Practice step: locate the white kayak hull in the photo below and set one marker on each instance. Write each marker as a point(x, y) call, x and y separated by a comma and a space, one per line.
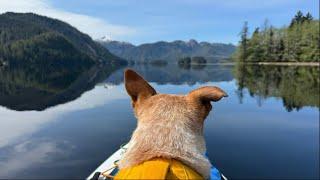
point(107, 165)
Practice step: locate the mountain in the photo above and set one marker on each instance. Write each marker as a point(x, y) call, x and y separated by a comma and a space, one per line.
point(169, 51)
point(31, 38)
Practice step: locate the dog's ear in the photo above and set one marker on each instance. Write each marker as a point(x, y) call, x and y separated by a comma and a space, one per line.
point(207, 94)
point(136, 86)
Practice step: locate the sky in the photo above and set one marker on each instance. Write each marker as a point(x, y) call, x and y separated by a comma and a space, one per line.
point(146, 21)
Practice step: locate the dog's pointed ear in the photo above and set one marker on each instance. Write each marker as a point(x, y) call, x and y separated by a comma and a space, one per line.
point(136, 86)
point(207, 94)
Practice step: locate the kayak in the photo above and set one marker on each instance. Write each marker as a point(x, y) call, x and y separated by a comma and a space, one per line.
point(109, 168)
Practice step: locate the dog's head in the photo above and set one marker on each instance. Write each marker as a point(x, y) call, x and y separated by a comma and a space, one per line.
point(169, 126)
point(149, 106)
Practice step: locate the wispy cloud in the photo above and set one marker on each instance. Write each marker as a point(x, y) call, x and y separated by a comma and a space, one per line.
point(33, 152)
point(93, 26)
point(243, 4)
point(14, 127)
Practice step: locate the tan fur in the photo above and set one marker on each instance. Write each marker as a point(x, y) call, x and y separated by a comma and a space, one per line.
point(169, 126)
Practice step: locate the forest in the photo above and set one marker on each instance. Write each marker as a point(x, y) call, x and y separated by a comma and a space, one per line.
point(27, 38)
point(298, 42)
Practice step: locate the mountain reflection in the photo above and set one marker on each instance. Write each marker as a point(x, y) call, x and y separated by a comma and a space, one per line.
point(297, 86)
point(177, 75)
point(37, 88)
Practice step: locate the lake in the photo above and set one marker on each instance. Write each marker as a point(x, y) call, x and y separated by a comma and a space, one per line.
point(63, 125)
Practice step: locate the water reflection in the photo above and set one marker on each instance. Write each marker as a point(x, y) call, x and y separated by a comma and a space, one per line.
point(35, 151)
point(33, 88)
point(81, 123)
point(174, 74)
point(66, 138)
point(297, 86)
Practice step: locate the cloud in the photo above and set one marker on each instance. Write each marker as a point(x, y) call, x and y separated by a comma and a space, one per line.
point(18, 126)
point(249, 4)
point(93, 26)
point(34, 152)
point(246, 4)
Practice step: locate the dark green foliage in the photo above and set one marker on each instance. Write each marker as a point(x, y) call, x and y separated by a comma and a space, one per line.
point(193, 60)
point(300, 18)
point(30, 38)
point(37, 87)
point(49, 49)
point(159, 62)
point(291, 84)
point(255, 50)
point(300, 42)
point(185, 63)
point(198, 60)
point(244, 42)
point(185, 60)
point(45, 62)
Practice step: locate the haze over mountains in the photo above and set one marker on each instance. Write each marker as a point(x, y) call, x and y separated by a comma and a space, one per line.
point(169, 51)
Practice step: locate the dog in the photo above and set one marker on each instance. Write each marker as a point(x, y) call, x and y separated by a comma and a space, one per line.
point(168, 126)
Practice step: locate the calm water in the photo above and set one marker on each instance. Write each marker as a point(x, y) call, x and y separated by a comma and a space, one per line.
point(63, 125)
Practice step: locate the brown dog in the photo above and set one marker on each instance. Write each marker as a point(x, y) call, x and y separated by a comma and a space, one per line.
point(169, 126)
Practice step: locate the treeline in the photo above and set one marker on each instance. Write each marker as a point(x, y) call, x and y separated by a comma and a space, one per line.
point(193, 60)
point(49, 48)
point(29, 38)
point(299, 42)
point(196, 62)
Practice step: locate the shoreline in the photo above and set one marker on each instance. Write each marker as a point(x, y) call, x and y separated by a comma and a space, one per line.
point(283, 63)
point(263, 63)
point(255, 63)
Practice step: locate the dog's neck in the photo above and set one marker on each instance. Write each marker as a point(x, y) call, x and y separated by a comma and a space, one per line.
point(168, 139)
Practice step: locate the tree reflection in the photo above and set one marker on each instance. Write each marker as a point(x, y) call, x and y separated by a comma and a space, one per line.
point(37, 88)
point(297, 86)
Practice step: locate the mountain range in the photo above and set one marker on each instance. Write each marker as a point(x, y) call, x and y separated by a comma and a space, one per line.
point(27, 38)
point(169, 51)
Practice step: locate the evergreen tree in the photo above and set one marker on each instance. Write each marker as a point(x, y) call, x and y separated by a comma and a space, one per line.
point(298, 18)
point(270, 45)
point(244, 42)
point(255, 49)
point(280, 50)
point(308, 17)
point(300, 42)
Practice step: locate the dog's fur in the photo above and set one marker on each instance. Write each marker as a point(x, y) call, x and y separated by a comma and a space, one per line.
point(169, 126)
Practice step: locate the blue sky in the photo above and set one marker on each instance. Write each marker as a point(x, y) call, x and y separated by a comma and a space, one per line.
point(143, 21)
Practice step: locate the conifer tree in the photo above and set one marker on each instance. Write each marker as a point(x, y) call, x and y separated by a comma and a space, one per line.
point(244, 42)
